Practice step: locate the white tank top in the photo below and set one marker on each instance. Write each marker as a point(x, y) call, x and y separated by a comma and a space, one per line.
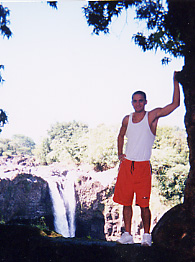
point(140, 140)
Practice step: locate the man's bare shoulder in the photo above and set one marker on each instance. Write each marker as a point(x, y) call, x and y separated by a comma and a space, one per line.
point(125, 120)
point(153, 114)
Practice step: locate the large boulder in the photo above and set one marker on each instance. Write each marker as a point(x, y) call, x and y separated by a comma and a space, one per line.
point(175, 231)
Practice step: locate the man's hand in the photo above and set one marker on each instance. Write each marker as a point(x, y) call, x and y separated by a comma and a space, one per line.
point(121, 157)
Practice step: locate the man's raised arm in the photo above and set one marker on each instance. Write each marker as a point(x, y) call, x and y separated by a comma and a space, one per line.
point(164, 111)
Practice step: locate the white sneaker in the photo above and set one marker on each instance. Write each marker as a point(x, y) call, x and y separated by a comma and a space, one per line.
point(126, 238)
point(146, 240)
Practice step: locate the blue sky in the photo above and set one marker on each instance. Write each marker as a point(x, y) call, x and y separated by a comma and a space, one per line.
point(56, 70)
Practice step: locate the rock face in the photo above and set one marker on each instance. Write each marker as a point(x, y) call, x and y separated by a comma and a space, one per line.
point(25, 196)
point(96, 214)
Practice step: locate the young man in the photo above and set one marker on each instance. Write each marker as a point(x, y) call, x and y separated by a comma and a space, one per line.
point(135, 172)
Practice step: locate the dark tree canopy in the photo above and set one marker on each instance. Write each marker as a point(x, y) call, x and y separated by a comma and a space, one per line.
point(4, 22)
point(52, 4)
point(4, 29)
point(166, 30)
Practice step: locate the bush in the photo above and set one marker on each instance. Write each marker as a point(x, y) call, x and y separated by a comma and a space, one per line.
point(170, 163)
point(19, 144)
point(103, 147)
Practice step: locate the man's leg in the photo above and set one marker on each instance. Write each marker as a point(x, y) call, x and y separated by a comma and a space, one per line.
point(127, 216)
point(126, 237)
point(146, 218)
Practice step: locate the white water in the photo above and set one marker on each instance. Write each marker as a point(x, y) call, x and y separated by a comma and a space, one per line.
point(63, 197)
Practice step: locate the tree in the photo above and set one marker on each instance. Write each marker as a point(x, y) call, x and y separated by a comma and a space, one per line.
point(23, 144)
point(171, 29)
point(18, 145)
point(102, 148)
point(170, 164)
point(5, 31)
point(65, 142)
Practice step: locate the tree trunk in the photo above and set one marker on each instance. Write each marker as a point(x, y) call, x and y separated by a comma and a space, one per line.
point(176, 229)
point(187, 79)
point(188, 82)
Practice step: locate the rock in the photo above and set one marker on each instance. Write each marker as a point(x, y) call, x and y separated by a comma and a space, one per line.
point(24, 243)
point(175, 231)
point(26, 197)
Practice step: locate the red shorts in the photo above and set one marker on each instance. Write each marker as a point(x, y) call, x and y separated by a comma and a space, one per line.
point(133, 177)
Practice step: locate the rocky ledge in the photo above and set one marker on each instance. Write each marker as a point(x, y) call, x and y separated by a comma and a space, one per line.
point(25, 243)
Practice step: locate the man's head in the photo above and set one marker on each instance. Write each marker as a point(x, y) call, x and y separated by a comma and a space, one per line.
point(139, 93)
point(139, 101)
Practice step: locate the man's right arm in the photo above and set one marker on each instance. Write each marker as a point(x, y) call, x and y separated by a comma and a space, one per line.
point(121, 135)
point(156, 113)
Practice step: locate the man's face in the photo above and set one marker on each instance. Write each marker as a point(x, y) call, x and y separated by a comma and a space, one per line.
point(139, 103)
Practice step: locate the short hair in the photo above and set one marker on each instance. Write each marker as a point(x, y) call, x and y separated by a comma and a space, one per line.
point(139, 93)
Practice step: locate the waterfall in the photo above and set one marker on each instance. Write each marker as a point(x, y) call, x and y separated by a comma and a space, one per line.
point(63, 197)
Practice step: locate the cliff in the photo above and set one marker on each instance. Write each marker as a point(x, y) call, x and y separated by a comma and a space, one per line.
point(25, 198)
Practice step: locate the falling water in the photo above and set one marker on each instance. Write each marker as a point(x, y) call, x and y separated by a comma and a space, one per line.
point(63, 197)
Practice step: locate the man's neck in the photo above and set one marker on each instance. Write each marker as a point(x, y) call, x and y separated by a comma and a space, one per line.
point(141, 113)
point(138, 116)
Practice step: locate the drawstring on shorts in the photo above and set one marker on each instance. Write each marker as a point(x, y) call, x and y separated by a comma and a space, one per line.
point(132, 166)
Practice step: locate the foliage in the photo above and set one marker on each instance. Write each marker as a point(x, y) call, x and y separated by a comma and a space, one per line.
point(99, 14)
point(44, 229)
point(3, 118)
point(19, 144)
point(102, 147)
point(1, 78)
point(52, 4)
point(42, 150)
point(65, 142)
point(74, 142)
point(162, 31)
point(42, 224)
point(170, 163)
point(4, 29)
point(4, 22)
point(171, 183)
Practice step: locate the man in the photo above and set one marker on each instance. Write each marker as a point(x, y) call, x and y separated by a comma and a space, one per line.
point(135, 172)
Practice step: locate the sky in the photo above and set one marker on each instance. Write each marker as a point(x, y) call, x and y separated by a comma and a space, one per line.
point(56, 70)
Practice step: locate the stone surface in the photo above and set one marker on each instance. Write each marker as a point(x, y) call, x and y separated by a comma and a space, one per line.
point(22, 243)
